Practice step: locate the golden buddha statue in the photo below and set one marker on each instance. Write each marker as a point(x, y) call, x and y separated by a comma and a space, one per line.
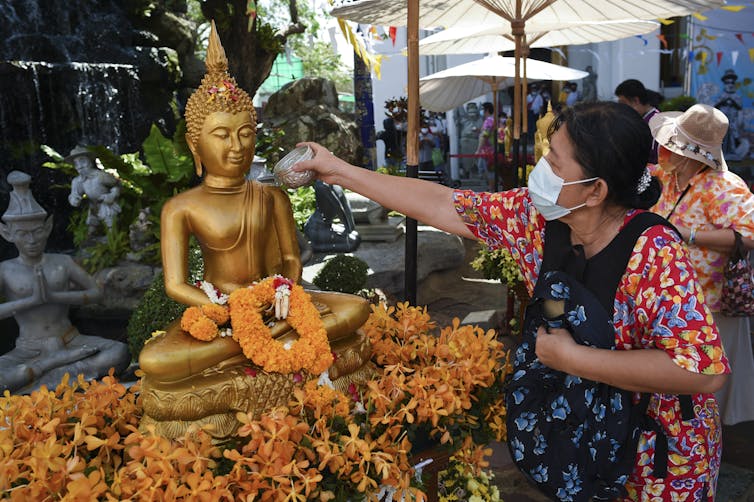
point(541, 142)
point(246, 232)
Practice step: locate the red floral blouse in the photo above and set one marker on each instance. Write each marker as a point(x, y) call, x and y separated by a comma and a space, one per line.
point(659, 304)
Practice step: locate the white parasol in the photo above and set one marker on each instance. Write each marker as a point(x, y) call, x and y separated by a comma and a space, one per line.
point(497, 37)
point(450, 88)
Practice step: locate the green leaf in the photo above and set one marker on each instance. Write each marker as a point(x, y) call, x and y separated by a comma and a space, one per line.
point(169, 157)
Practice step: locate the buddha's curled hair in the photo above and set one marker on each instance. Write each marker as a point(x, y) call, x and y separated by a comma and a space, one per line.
point(218, 91)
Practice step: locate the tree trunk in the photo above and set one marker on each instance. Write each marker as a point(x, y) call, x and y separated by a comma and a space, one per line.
point(251, 53)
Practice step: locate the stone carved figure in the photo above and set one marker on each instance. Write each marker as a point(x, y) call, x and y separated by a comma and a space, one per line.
point(321, 227)
point(730, 103)
point(589, 86)
point(246, 232)
point(95, 187)
point(37, 291)
point(469, 122)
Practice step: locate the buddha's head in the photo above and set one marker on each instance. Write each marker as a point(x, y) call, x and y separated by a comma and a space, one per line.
point(25, 222)
point(220, 118)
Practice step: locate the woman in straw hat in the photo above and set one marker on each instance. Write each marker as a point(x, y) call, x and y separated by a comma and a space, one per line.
point(706, 202)
point(594, 181)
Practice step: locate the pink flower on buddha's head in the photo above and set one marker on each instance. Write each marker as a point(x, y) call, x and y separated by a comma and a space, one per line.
point(297, 377)
point(250, 371)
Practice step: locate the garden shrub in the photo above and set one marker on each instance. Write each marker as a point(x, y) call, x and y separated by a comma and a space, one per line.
point(343, 273)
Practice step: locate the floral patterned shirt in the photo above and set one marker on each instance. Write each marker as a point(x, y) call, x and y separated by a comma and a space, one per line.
point(658, 304)
point(715, 199)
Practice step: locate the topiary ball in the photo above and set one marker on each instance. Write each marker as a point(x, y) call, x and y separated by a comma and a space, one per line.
point(342, 273)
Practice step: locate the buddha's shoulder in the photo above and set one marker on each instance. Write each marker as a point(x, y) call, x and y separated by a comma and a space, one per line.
point(271, 191)
point(187, 198)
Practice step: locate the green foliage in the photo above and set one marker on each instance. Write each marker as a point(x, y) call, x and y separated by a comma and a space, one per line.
point(320, 60)
point(106, 252)
point(169, 169)
point(270, 143)
point(156, 309)
point(342, 273)
point(677, 104)
point(304, 203)
point(497, 264)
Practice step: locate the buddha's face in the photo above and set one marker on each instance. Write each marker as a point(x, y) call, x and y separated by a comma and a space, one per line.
point(226, 143)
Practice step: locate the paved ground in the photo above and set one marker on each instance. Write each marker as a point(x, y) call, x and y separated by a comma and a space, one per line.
point(456, 293)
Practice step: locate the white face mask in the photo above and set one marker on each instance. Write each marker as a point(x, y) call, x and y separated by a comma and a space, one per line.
point(544, 190)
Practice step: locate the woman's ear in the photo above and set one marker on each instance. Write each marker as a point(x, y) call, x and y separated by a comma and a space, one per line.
point(597, 193)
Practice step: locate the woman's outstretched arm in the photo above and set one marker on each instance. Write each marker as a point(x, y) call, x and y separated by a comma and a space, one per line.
point(425, 201)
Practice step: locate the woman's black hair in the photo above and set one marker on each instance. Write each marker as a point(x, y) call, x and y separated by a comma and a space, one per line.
point(611, 141)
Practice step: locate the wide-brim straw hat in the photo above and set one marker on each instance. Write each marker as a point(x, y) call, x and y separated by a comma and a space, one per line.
point(696, 133)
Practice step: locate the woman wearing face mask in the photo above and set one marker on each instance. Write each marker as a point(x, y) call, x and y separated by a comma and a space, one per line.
point(594, 180)
point(706, 202)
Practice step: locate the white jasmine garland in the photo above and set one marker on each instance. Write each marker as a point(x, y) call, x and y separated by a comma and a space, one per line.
point(214, 295)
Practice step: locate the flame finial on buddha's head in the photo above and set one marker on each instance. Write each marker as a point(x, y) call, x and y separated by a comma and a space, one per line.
point(218, 91)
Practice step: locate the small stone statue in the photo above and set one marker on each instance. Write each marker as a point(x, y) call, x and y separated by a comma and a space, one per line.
point(140, 234)
point(37, 290)
point(589, 86)
point(99, 188)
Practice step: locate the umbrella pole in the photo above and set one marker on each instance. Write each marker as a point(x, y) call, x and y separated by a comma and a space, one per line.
point(519, 101)
point(412, 146)
point(494, 132)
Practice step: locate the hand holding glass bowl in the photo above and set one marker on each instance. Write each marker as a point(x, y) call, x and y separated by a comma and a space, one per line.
point(283, 173)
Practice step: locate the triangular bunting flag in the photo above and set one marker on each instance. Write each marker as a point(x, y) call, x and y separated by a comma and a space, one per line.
point(699, 16)
point(393, 34)
point(719, 56)
point(733, 8)
point(734, 57)
point(751, 55)
point(740, 37)
point(666, 22)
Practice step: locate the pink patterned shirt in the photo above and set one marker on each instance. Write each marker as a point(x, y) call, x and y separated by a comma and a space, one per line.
point(715, 199)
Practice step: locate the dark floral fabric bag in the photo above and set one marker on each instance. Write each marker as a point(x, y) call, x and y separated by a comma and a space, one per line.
point(737, 298)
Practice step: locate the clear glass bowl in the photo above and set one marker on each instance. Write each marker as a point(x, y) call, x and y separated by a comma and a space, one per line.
point(292, 179)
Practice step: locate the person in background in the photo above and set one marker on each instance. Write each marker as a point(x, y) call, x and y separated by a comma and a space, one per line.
point(535, 105)
point(426, 145)
point(390, 136)
point(633, 93)
point(573, 96)
point(594, 180)
point(706, 202)
point(485, 148)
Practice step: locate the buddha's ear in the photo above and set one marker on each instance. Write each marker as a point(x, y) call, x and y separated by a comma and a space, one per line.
point(197, 159)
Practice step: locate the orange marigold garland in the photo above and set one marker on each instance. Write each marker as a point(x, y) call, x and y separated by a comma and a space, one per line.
point(202, 322)
point(311, 352)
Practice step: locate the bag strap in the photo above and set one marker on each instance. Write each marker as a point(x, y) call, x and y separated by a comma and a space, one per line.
point(739, 250)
